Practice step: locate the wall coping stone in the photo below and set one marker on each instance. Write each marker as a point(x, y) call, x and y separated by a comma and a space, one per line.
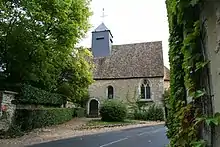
point(9, 92)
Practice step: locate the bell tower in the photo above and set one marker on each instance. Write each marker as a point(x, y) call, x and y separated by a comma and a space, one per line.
point(101, 40)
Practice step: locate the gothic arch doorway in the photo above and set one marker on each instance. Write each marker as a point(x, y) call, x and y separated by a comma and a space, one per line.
point(93, 108)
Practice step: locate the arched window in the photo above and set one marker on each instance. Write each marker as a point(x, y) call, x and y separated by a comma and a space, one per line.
point(110, 92)
point(142, 91)
point(145, 90)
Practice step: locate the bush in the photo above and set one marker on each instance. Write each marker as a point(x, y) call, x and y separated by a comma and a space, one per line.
point(141, 115)
point(29, 119)
point(32, 95)
point(79, 112)
point(113, 110)
point(153, 113)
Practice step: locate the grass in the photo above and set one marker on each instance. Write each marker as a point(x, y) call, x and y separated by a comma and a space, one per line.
point(98, 124)
point(103, 123)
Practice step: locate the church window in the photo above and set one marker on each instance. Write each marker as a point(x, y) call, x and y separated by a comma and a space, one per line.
point(142, 91)
point(110, 92)
point(145, 90)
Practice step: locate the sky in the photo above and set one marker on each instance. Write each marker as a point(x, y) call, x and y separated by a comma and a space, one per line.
point(131, 21)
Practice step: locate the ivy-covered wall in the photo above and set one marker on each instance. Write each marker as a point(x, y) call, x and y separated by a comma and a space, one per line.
point(188, 113)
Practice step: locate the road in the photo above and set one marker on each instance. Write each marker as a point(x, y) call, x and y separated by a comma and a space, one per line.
point(152, 136)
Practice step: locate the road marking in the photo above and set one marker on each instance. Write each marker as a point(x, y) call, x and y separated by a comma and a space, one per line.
point(143, 133)
point(113, 142)
point(155, 131)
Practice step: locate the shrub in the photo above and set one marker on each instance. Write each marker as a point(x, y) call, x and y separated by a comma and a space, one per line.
point(113, 110)
point(29, 119)
point(153, 113)
point(79, 112)
point(32, 95)
point(141, 115)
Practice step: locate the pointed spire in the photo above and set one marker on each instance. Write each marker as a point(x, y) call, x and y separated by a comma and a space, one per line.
point(101, 27)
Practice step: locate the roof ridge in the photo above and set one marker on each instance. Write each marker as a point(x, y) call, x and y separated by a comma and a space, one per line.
point(138, 43)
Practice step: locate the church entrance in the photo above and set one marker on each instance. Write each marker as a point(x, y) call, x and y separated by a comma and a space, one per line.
point(93, 108)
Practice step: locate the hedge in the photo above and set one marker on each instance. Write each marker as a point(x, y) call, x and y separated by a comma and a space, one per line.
point(79, 112)
point(29, 119)
point(32, 95)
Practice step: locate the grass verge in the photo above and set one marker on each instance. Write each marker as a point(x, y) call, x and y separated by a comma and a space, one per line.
point(92, 124)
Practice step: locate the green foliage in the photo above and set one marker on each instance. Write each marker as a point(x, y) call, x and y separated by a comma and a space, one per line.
point(186, 66)
point(153, 113)
point(32, 95)
point(13, 131)
point(29, 119)
point(113, 110)
point(76, 77)
point(79, 112)
point(212, 121)
point(38, 45)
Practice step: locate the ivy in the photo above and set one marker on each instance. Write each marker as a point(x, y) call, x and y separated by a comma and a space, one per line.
point(33, 95)
point(186, 67)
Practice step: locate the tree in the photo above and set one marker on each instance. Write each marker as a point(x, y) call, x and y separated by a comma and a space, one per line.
point(76, 77)
point(36, 39)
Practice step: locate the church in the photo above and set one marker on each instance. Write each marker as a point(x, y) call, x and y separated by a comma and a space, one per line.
point(127, 72)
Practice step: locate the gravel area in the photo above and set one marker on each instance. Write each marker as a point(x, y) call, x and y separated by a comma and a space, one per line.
point(66, 130)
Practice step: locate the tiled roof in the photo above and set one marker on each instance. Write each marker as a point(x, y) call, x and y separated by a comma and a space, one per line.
point(130, 61)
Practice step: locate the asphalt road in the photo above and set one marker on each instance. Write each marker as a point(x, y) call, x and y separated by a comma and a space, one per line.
point(152, 136)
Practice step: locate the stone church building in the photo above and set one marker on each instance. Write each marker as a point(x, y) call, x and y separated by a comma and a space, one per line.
point(126, 72)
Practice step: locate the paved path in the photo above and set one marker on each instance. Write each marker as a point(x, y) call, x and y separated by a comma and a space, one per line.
point(152, 136)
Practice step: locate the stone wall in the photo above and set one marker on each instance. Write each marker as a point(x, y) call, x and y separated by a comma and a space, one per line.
point(211, 20)
point(166, 85)
point(7, 115)
point(126, 89)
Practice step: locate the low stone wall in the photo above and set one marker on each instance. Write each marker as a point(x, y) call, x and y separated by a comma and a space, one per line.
point(7, 109)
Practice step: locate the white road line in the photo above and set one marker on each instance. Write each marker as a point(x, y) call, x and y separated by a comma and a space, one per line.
point(143, 133)
point(155, 131)
point(110, 143)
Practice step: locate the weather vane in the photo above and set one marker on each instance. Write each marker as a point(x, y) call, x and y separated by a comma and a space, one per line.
point(103, 14)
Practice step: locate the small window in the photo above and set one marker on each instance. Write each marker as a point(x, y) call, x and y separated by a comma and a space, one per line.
point(142, 91)
point(110, 92)
point(145, 90)
point(99, 38)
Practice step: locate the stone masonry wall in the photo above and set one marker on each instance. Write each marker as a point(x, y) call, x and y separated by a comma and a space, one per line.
point(126, 88)
point(211, 15)
point(166, 85)
point(7, 98)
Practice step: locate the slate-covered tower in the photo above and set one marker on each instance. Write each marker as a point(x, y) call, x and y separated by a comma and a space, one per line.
point(101, 41)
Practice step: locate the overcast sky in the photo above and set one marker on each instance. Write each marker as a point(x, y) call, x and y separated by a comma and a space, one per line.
point(132, 21)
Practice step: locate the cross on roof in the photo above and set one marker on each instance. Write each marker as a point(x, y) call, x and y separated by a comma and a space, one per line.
point(103, 14)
